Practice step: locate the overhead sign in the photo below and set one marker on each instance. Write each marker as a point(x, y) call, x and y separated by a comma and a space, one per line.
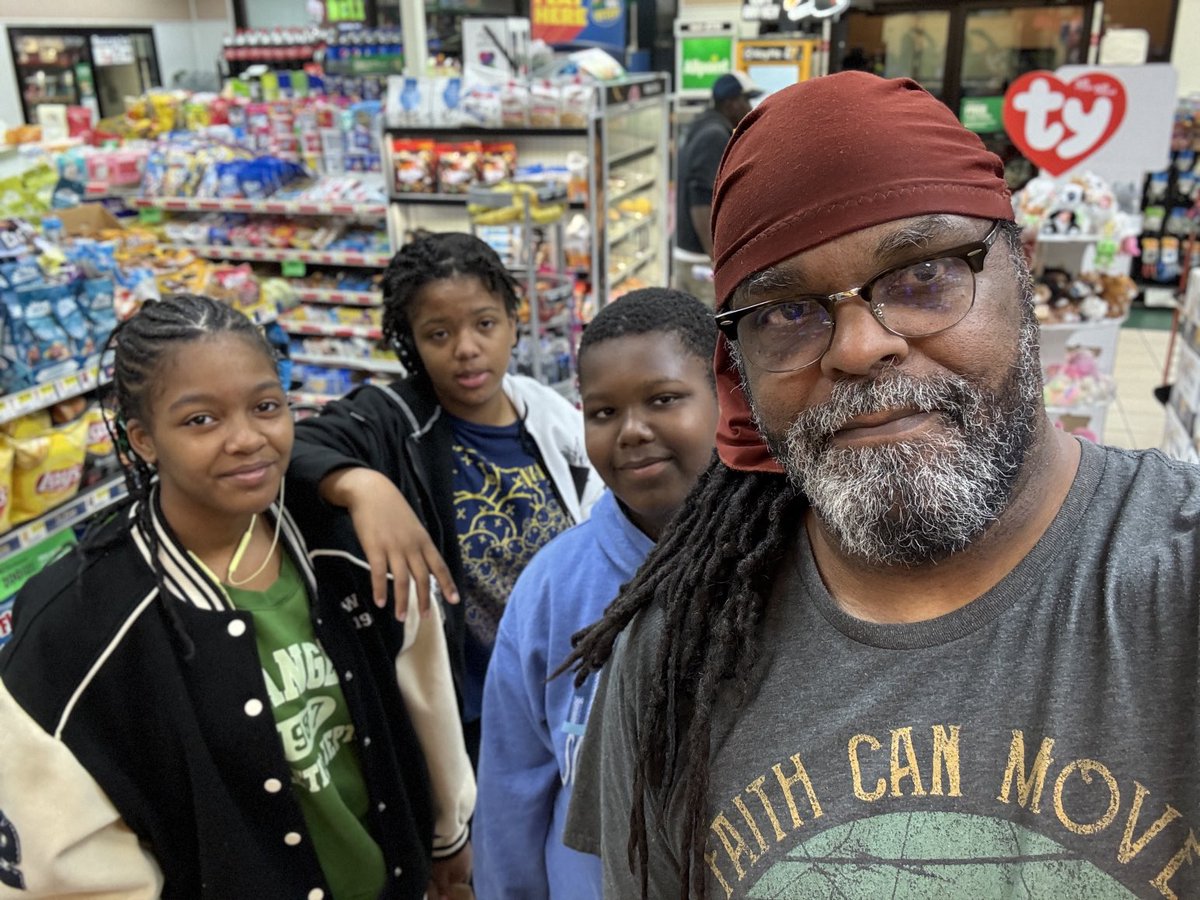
point(703, 53)
point(794, 10)
point(599, 23)
point(1113, 121)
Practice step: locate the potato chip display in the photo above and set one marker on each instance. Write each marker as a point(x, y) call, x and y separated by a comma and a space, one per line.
point(47, 468)
point(6, 472)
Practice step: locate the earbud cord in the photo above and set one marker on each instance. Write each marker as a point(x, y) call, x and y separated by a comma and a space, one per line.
point(243, 545)
point(241, 550)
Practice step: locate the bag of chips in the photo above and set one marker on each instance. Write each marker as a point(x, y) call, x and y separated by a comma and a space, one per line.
point(6, 471)
point(47, 468)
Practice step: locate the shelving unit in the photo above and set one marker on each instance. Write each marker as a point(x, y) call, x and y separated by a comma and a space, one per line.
point(382, 366)
point(336, 297)
point(278, 254)
point(324, 329)
point(66, 515)
point(29, 400)
point(625, 145)
point(275, 207)
point(1181, 438)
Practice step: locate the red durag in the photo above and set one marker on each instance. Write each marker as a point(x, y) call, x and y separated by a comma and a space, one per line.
point(817, 161)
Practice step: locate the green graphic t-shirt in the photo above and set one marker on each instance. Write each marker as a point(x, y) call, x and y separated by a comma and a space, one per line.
point(317, 735)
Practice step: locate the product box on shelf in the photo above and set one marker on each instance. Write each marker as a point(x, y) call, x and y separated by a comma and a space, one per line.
point(22, 566)
point(86, 220)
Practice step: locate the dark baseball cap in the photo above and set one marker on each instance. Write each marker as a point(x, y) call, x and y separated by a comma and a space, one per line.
point(734, 84)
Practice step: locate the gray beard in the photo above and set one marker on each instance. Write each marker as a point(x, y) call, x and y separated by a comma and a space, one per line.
point(911, 503)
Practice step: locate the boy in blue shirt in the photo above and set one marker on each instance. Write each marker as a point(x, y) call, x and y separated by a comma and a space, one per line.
point(650, 413)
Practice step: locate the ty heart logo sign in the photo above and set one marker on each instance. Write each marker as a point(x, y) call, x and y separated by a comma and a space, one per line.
point(1058, 124)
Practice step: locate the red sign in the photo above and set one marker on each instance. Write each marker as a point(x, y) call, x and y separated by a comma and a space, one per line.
point(1058, 124)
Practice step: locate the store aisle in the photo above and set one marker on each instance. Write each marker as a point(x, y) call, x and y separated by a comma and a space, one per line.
point(1136, 418)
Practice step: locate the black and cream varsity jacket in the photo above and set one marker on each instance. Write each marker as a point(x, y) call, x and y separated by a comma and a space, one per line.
point(129, 769)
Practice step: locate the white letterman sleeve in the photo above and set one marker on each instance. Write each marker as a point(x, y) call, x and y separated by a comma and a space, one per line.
point(423, 673)
point(59, 833)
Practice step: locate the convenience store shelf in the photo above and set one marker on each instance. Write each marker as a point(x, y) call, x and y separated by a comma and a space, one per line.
point(1067, 238)
point(276, 254)
point(626, 231)
point(63, 516)
point(277, 207)
point(339, 298)
point(415, 197)
point(360, 364)
point(620, 275)
point(306, 398)
point(477, 131)
point(638, 184)
point(329, 329)
point(628, 156)
point(23, 402)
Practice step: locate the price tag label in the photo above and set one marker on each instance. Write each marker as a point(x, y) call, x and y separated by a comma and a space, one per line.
point(294, 268)
point(35, 533)
point(345, 11)
point(150, 215)
point(25, 398)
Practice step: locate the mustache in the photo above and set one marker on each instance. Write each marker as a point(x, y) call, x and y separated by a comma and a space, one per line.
point(950, 395)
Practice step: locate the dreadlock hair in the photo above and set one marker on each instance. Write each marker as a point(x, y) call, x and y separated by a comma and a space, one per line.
point(140, 346)
point(433, 257)
point(656, 311)
point(711, 573)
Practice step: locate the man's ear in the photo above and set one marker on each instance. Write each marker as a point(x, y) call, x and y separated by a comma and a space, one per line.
point(141, 441)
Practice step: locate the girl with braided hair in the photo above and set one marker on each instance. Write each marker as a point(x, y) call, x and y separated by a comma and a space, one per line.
point(461, 470)
point(194, 704)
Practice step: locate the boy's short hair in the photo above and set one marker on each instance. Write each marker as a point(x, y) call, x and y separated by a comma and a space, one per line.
point(654, 310)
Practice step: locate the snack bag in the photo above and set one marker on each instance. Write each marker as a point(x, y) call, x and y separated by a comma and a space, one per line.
point(447, 100)
point(6, 473)
point(481, 106)
point(514, 105)
point(497, 163)
point(413, 165)
point(456, 166)
point(101, 455)
point(47, 469)
point(545, 105)
point(42, 340)
point(577, 100)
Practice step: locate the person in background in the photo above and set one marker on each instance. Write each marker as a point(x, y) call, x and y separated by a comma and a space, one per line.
point(907, 638)
point(696, 173)
point(649, 408)
point(195, 705)
point(460, 470)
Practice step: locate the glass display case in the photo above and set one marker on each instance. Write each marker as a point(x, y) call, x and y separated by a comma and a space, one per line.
point(96, 68)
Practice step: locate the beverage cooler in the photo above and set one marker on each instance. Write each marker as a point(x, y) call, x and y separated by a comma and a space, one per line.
point(96, 68)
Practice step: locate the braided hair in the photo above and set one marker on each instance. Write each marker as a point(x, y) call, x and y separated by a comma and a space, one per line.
point(141, 345)
point(711, 573)
point(434, 257)
point(656, 311)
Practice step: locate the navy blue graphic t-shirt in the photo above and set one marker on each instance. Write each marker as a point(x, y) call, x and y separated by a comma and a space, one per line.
point(505, 510)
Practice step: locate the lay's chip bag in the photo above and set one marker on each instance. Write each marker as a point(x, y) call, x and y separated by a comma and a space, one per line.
point(47, 467)
point(6, 470)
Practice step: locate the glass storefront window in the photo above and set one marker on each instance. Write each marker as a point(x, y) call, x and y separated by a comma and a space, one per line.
point(1001, 44)
point(897, 45)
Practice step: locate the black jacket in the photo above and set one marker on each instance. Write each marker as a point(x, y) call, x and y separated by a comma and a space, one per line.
point(399, 430)
point(126, 767)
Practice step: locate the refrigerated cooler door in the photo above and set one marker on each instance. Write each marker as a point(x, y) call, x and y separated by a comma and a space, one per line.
point(124, 65)
point(46, 69)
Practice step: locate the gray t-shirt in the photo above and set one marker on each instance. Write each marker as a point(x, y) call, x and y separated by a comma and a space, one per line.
point(1042, 741)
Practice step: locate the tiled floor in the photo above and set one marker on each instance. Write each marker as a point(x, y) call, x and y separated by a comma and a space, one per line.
point(1136, 418)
